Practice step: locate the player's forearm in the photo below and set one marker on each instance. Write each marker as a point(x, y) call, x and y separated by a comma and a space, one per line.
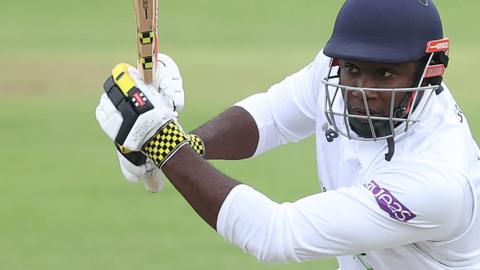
point(206, 190)
point(204, 187)
point(231, 135)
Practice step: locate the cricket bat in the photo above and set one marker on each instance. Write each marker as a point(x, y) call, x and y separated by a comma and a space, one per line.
point(146, 12)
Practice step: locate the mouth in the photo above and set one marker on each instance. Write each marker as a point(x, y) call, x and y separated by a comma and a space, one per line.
point(360, 111)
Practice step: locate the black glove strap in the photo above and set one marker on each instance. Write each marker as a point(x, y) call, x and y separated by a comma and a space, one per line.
point(136, 158)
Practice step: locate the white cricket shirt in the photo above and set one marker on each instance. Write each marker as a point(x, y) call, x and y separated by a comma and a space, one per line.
point(418, 211)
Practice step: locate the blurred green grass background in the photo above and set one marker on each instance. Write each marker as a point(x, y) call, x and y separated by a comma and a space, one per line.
point(63, 203)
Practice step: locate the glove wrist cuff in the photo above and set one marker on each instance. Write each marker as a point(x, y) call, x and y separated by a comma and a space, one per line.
point(165, 143)
point(197, 144)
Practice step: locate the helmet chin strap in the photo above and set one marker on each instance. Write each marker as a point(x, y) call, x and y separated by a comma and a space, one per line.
point(391, 149)
point(381, 129)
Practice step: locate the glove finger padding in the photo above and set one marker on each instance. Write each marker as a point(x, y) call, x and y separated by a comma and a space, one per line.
point(132, 164)
point(168, 80)
point(108, 117)
point(131, 172)
point(134, 173)
point(170, 87)
point(136, 167)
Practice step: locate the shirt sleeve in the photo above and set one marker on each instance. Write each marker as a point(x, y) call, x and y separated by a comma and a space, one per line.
point(345, 221)
point(287, 111)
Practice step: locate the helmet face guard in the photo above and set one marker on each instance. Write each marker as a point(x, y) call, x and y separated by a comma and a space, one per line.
point(367, 127)
point(401, 117)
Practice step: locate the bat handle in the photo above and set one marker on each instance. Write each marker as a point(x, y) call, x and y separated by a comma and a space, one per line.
point(153, 181)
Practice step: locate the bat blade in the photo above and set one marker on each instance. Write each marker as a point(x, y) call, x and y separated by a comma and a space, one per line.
point(146, 13)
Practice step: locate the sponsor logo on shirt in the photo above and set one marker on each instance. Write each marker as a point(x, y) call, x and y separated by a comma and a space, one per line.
point(330, 133)
point(389, 203)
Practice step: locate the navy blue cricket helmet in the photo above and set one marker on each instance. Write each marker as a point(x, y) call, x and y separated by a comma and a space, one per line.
point(384, 31)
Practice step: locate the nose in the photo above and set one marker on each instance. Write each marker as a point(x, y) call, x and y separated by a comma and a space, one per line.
point(365, 81)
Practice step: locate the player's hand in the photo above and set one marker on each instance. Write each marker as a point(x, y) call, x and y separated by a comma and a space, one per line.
point(130, 111)
point(168, 80)
point(139, 118)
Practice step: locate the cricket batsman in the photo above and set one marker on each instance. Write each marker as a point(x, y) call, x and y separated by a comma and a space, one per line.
point(396, 158)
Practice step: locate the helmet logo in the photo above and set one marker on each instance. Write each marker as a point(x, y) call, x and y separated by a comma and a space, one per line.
point(424, 2)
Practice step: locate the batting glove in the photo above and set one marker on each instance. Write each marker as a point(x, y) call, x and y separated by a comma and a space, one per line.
point(139, 118)
point(168, 80)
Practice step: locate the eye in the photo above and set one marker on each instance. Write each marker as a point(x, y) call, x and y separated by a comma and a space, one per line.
point(351, 68)
point(385, 74)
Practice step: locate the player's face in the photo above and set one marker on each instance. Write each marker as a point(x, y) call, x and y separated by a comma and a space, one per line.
point(375, 75)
